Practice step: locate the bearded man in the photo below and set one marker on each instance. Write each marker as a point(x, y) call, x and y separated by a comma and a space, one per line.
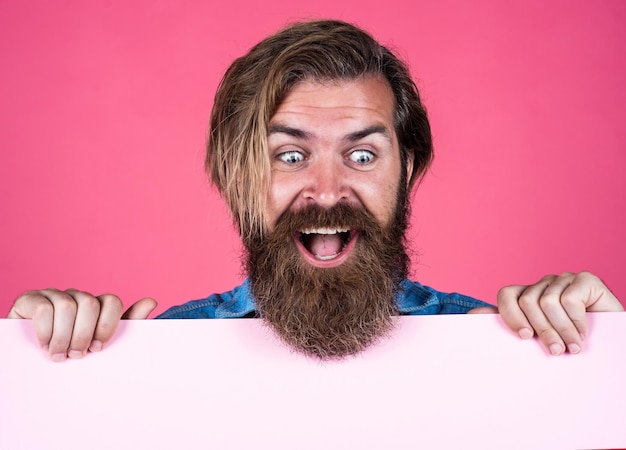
point(317, 137)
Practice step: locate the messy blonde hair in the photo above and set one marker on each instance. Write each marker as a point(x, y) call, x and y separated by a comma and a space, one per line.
point(254, 86)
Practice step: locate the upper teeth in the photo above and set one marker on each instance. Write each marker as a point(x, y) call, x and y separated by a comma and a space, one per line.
point(324, 230)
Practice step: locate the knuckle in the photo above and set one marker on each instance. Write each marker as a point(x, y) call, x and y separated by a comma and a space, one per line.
point(570, 299)
point(43, 308)
point(35, 294)
point(75, 292)
point(588, 276)
point(51, 292)
point(542, 334)
point(111, 301)
point(30, 293)
point(565, 332)
point(27, 296)
point(506, 291)
point(87, 301)
point(546, 334)
point(580, 324)
point(526, 301)
point(549, 278)
point(549, 301)
point(65, 303)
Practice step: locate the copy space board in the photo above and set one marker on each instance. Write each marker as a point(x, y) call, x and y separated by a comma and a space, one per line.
point(436, 382)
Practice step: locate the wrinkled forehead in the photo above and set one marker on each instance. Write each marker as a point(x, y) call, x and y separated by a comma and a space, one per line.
point(318, 85)
point(363, 96)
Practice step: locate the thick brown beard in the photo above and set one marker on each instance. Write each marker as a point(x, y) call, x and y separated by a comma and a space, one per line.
point(329, 313)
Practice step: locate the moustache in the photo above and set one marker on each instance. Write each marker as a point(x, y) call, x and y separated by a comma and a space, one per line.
point(345, 219)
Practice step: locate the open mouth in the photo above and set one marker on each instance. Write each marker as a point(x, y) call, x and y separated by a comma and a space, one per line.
point(325, 247)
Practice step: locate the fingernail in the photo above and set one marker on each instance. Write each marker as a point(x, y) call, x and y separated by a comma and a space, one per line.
point(58, 357)
point(525, 333)
point(573, 348)
point(95, 346)
point(75, 354)
point(556, 349)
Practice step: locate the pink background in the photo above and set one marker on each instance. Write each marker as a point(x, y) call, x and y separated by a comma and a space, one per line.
point(104, 108)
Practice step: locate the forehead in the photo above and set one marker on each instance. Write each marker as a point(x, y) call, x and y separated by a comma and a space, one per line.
point(367, 98)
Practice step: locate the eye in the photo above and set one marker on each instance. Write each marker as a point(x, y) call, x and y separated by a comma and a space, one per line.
point(361, 156)
point(291, 157)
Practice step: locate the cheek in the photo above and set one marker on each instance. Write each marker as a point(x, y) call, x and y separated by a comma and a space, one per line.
point(281, 195)
point(380, 199)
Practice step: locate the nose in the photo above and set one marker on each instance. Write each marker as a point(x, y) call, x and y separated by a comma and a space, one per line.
point(326, 184)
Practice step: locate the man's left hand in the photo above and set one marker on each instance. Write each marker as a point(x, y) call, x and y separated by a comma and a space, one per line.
point(555, 308)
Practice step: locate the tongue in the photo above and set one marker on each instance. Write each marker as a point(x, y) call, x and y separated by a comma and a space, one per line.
point(325, 244)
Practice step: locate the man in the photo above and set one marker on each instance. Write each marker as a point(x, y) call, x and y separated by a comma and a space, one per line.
point(317, 137)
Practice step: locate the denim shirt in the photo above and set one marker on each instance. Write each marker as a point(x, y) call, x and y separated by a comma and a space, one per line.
point(412, 299)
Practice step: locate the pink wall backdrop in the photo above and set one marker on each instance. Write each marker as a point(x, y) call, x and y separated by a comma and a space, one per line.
point(104, 107)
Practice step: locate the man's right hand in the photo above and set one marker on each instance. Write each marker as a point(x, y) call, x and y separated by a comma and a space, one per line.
point(69, 323)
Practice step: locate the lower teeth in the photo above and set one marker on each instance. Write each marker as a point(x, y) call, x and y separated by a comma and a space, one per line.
point(326, 257)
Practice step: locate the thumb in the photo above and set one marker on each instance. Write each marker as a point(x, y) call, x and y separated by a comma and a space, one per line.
point(141, 309)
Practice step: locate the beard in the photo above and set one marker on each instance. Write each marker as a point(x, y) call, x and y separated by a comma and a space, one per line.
point(333, 312)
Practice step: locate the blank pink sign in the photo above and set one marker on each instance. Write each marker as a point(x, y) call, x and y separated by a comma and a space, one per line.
point(437, 382)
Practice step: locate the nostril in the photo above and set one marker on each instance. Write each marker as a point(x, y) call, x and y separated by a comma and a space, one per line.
point(328, 198)
point(326, 185)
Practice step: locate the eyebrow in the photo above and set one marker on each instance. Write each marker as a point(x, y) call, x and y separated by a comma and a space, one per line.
point(352, 137)
point(374, 129)
point(290, 131)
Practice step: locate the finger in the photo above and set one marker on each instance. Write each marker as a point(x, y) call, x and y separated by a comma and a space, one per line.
point(111, 310)
point(36, 306)
point(530, 304)
point(141, 309)
point(511, 313)
point(586, 292)
point(567, 321)
point(65, 310)
point(88, 311)
point(596, 294)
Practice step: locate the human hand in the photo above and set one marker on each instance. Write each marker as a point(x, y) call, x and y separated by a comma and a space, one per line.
point(68, 323)
point(555, 308)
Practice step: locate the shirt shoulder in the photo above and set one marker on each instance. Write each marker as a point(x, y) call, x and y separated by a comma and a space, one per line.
point(412, 299)
point(235, 303)
point(417, 299)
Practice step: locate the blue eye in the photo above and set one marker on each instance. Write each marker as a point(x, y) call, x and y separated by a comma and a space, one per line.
point(361, 156)
point(291, 157)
